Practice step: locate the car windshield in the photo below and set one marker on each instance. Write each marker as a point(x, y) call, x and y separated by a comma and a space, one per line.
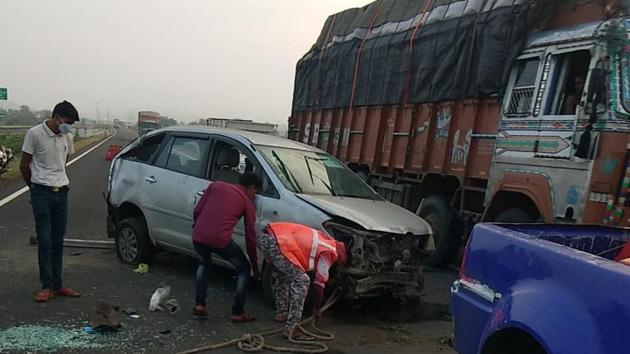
point(309, 172)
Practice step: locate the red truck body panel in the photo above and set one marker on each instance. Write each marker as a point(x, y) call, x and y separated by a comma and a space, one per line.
point(443, 138)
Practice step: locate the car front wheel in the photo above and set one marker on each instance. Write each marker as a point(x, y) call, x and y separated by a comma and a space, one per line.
point(133, 245)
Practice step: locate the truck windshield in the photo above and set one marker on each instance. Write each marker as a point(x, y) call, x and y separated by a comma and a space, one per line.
point(625, 80)
point(310, 172)
point(149, 125)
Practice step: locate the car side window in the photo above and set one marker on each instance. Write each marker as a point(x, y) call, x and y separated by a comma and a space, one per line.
point(230, 162)
point(184, 155)
point(163, 157)
point(146, 150)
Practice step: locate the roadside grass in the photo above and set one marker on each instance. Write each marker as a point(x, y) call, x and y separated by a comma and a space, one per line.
point(14, 141)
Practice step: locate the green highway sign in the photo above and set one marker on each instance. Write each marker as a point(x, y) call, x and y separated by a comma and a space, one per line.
point(3, 93)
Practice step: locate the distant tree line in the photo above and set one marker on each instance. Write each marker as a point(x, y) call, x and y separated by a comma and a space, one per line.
point(23, 116)
point(167, 122)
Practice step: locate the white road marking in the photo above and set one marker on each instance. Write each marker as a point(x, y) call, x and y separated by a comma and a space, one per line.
point(6, 200)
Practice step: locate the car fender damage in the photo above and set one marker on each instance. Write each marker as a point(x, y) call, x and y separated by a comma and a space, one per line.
point(380, 263)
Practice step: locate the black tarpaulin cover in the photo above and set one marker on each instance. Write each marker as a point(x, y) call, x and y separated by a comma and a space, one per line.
point(410, 51)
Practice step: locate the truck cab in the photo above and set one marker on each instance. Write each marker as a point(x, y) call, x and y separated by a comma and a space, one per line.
point(562, 143)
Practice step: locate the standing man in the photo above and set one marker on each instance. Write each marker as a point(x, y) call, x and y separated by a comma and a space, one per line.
point(43, 166)
point(294, 250)
point(217, 212)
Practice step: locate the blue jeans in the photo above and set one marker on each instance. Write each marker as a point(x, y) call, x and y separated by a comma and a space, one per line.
point(50, 209)
point(231, 253)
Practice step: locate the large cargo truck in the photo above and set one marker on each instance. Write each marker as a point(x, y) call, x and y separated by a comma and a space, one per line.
point(468, 111)
point(148, 121)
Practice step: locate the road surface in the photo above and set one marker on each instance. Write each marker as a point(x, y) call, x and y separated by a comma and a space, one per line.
point(363, 327)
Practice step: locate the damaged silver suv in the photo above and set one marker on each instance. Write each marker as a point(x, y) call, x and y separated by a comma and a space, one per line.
point(155, 182)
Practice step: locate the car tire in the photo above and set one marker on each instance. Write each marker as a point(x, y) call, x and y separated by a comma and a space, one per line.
point(133, 245)
point(446, 233)
point(516, 216)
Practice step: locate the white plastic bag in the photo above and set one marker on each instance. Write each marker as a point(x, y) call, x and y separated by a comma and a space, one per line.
point(158, 297)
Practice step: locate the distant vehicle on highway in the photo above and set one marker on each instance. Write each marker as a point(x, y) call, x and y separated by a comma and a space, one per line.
point(148, 121)
point(542, 289)
point(6, 155)
point(155, 182)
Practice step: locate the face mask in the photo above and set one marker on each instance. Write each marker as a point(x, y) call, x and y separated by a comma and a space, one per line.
point(65, 128)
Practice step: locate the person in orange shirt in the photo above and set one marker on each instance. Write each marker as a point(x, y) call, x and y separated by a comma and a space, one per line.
point(294, 250)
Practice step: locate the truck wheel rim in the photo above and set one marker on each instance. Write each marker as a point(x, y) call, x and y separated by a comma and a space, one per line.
point(128, 244)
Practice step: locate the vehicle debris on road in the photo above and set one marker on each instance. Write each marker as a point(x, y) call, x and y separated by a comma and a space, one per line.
point(78, 243)
point(143, 268)
point(89, 329)
point(172, 305)
point(130, 311)
point(105, 317)
point(158, 298)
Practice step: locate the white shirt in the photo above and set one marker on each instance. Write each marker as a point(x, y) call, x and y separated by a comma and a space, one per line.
point(50, 152)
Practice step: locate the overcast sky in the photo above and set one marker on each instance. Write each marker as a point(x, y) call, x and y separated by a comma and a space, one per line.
point(186, 59)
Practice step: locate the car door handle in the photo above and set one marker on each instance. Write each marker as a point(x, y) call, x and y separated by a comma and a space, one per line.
point(150, 179)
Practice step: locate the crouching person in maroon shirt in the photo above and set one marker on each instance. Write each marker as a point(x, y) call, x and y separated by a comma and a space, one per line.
point(217, 212)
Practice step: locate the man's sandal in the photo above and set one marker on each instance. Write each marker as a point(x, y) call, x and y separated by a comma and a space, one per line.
point(200, 311)
point(44, 295)
point(68, 292)
point(243, 317)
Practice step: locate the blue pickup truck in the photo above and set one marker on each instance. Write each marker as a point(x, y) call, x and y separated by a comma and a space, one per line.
point(542, 289)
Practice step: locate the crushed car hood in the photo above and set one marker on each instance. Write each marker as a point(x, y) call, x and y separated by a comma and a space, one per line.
point(373, 215)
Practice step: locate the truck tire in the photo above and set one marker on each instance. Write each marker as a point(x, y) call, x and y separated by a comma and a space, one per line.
point(436, 211)
point(133, 245)
point(516, 216)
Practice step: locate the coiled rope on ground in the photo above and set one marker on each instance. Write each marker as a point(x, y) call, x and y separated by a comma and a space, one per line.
point(255, 342)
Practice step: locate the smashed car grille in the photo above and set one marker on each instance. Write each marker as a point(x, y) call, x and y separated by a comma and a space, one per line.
point(379, 261)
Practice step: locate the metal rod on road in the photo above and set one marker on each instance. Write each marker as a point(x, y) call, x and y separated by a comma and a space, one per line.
point(71, 242)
